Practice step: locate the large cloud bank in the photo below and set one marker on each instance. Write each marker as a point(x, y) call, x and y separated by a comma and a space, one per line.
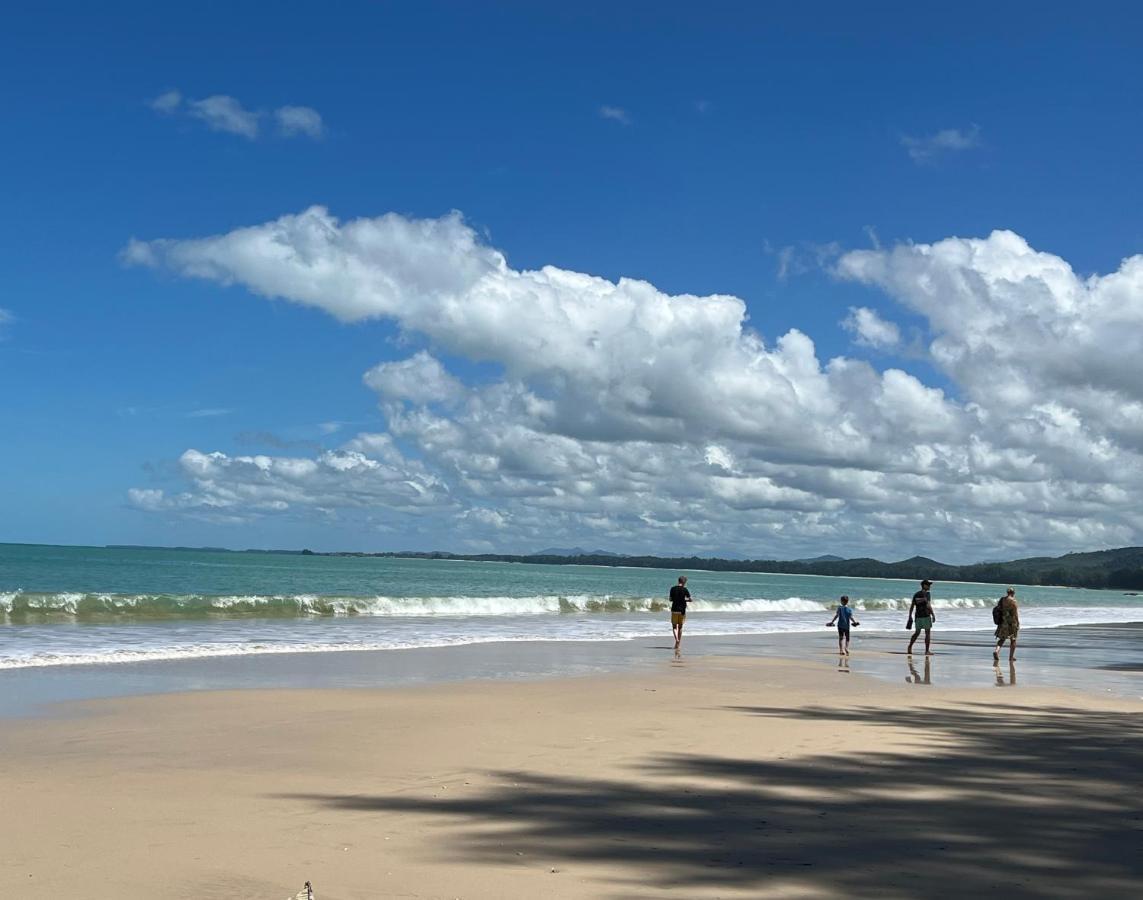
point(627, 416)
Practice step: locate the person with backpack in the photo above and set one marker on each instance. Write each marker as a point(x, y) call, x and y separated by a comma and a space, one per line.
point(1006, 615)
point(680, 597)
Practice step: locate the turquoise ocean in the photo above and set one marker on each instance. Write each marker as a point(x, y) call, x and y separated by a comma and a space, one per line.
point(69, 606)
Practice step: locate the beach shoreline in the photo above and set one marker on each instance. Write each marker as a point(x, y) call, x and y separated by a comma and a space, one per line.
point(705, 776)
point(1098, 659)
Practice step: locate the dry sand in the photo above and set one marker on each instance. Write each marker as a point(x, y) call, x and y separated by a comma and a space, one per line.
point(710, 778)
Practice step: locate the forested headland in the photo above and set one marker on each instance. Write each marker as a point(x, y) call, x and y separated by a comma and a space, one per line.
point(1120, 569)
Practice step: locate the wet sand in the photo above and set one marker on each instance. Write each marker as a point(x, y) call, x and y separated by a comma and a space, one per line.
point(1093, 658)
point(703, 777)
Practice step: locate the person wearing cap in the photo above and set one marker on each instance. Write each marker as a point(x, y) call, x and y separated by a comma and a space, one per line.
point(921, 616)
point(843, 617)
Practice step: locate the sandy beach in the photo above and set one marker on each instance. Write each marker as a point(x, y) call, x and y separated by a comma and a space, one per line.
point(711, 777)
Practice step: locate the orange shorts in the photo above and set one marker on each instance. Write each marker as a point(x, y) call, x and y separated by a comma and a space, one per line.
point(677, 618)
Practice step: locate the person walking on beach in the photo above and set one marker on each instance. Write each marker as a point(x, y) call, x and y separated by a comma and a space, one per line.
point(843, 617)
point(680, 597)
point(921, 616)
point(1008, 626)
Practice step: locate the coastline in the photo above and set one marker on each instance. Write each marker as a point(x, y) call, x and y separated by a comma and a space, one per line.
point(707, 776)
point(1091, 570)
point(1101, 660)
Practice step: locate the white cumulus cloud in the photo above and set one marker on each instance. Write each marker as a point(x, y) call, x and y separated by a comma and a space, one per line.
point(615, 114)
point(241, 486)
point(420, 379)
point(947, 140)
point(1015, 326)
point(870, 329)
point(221, 112)
point(167, 102)
point(293, 120)
point(648, 420)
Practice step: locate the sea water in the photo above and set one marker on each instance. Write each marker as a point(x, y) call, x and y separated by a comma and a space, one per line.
point(70, 606)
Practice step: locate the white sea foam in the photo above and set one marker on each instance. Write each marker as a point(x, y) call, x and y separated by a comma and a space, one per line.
point(759, 605)
point(33, 606)
point(119, 655)
point(7, 600)
point(938, 603)
point(158, 641)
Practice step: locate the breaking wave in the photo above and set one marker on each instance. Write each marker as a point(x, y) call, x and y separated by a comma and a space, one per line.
point(29, 606)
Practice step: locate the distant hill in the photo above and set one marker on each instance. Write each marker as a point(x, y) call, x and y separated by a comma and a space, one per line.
point(1120, 569)
point(828, 557)
point(182, 549)
point(573, 551)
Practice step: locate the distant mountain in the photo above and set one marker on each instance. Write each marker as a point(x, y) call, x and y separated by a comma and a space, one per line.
point(1120, 569)
point(1129, 557)
point(573, 551)
point(828, 557)
point(920, 561)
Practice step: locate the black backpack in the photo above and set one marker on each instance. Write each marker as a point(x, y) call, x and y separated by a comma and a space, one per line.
point(997, 613)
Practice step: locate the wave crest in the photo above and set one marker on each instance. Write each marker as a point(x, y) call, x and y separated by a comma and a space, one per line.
point(30, 606)
point(36, 606)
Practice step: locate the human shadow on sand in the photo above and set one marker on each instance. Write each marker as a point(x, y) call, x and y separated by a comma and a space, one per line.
point(994, 800)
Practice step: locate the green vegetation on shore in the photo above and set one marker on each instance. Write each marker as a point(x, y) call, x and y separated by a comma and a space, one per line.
point(1120, 569)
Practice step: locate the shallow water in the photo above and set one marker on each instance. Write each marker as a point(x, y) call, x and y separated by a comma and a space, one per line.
point(77, 606)
point(1092, 659)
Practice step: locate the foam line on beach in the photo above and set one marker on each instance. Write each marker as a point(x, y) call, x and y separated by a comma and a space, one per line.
point(33, 606)
point(106, 650)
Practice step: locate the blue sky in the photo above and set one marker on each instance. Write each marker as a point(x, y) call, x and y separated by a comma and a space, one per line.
point(725, 149)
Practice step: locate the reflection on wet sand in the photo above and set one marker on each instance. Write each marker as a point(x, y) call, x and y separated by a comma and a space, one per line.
point(1000, 682)
point(915, 677)
point(843, 664)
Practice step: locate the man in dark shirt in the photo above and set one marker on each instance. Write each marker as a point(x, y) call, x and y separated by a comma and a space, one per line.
point(921, 616)
point(680, 597)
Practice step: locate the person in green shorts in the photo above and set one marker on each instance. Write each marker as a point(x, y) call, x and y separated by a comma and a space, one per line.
point(921, 616)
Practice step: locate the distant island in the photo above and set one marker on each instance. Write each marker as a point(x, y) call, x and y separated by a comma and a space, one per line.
point(1120, 569)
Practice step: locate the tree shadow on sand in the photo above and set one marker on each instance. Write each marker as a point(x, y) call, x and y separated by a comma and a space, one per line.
point(1029, 802)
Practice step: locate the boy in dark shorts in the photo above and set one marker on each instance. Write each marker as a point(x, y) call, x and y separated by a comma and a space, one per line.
point(680, 597)
point(843, 617)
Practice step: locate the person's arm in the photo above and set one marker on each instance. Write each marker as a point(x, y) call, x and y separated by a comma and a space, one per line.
point(834, 619)
point(932, 609)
